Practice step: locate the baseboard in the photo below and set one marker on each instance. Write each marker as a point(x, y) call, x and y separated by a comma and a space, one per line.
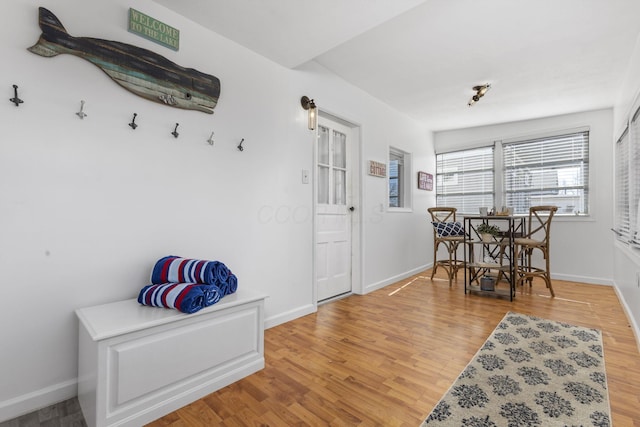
point(567, 277)
point(270, 322)
point(38, 399)
point(386, 282)
point(630, 318)
point(606, 282)
point(583, 279)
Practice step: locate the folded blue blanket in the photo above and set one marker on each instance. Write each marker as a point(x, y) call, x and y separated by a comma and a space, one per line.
point(180, 270)
point(212, 294)
point(185, 297)
point(230, 286)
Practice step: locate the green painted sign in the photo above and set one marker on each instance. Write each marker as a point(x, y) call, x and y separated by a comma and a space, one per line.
point(154, 30)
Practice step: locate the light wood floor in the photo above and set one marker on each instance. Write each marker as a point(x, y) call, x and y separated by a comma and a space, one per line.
point(386, 358)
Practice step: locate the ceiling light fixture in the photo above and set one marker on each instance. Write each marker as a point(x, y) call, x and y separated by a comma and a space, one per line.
point(480, 91)
point(310, 106)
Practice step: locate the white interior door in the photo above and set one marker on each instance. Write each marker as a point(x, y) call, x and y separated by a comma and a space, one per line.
point(333, 209)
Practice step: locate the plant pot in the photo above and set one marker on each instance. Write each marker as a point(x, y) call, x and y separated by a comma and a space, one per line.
point(486, 237)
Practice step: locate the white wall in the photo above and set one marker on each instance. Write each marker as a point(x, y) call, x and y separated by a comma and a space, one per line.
point(580, 247)
point(627, 261)
point(89, 205)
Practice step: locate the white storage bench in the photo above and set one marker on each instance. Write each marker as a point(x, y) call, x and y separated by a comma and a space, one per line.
point(137, 363)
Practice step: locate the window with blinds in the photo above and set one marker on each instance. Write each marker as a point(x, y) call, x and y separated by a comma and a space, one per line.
point(399, 176)
point(395, 179)
point(632, 187)
point(547, 171)
point(465, 179)
point(621, 226)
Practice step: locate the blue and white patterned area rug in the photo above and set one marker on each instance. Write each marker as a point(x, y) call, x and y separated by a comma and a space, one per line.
point(530, 372)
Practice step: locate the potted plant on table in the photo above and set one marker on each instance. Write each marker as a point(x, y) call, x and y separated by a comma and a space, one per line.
point(487, 232)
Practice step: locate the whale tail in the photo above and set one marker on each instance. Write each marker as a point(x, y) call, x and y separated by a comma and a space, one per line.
point(53, 33)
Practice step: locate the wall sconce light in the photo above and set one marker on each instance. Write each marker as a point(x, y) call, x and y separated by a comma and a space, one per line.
point(480, 91)
point(310, 106)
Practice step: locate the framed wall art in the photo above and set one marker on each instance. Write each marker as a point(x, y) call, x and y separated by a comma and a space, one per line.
point(377, 169)
point(425, 181)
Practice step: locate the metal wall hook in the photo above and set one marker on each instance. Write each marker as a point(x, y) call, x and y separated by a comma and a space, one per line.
point(175, 131)
point(133, 122)
point(15, 98)
point(81, 113)
point(240, 145)
point(210, 140)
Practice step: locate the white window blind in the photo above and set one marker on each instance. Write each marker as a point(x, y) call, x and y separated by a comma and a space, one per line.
point(465, 179)
point(552, 170)
point(621, 225)
point(633, 184)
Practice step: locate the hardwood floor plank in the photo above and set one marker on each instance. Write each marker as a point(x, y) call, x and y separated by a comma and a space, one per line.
point(198, 412)
point(386, 358)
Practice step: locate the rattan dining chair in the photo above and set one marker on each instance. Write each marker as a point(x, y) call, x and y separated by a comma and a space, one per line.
point(537, 237)
point(448, 233)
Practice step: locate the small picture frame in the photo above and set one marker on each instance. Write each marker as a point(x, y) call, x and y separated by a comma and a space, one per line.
point(425, 181)
point(377, 169)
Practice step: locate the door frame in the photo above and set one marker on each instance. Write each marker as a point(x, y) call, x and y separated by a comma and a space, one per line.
point(356, 201)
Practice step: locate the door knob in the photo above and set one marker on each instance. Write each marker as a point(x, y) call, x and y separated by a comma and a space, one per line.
point(352, 209)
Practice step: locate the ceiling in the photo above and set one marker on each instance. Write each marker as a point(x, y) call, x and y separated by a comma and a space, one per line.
point(422, 57)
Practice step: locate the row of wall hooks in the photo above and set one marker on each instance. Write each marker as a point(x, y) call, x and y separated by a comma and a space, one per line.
point(81, 114)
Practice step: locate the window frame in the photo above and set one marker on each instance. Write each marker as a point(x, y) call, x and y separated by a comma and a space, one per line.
point(627, 189)
point(622, 221)
point(531, 153)
point(499, 176)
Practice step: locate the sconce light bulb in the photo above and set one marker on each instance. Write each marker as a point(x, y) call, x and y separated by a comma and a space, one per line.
point(313, 115)
point(312, 112)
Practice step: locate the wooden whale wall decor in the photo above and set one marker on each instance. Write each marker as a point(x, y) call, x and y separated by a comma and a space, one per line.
point(138, 70)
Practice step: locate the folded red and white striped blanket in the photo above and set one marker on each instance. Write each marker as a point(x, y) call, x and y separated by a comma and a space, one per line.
point(181, 270)
point(185, 297)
